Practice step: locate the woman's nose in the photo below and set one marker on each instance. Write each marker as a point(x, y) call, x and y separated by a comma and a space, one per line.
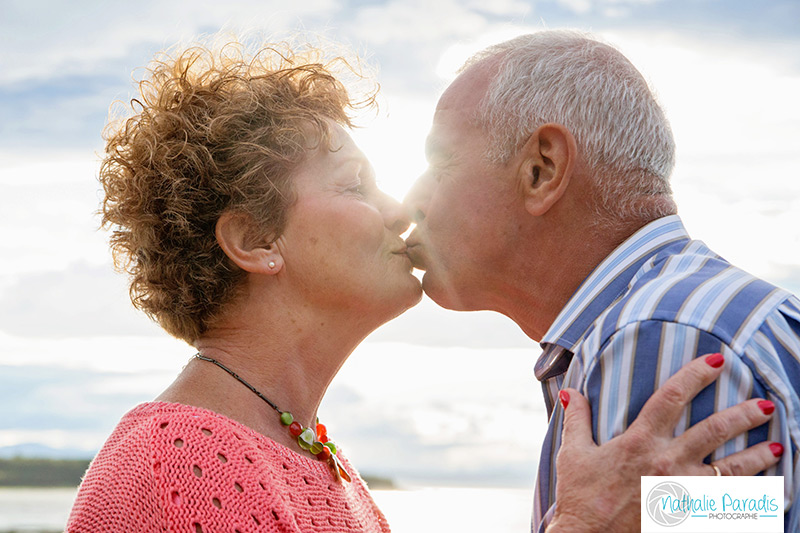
point(395, 215)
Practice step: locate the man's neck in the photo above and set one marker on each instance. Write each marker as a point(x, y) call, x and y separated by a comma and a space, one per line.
point(541, 289)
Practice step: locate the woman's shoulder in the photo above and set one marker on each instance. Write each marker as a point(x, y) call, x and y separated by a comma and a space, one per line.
point(209, 445)
point(120, 482)
point(230, 474)
point(191, 465)
point(189, 430)
point(164, 460)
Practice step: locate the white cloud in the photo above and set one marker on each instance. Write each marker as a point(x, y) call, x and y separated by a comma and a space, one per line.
point(787, 275)
point(458, 52)
point(158, 353)
point(507, 8)
point(48, 201)
point(579, 7)
point(616, 12)
point(439, 413)
point(68, 407)
point(45, 39)
point(416, 22)
point(80, 301)
point(608, 7)
point(430, 325)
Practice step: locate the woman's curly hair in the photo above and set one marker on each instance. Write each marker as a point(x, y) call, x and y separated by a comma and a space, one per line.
point(214, 129)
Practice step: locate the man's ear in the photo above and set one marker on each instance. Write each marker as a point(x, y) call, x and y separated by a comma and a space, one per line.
point(548, 159)
point(237, 236)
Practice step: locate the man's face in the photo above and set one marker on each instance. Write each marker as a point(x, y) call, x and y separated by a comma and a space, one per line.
point(464, 206)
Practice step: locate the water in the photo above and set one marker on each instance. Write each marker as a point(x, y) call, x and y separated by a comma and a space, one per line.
point(35, 509)
point(424, 510)
point(465, 510)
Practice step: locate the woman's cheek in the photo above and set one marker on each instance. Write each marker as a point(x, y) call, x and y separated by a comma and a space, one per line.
point(371, 229)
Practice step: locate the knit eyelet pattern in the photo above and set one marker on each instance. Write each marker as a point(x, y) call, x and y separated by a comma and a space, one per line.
point(172, 467)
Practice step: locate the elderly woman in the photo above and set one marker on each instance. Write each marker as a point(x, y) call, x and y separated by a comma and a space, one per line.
point(252, 228)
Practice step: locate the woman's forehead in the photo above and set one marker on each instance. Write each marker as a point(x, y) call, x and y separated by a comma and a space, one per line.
point(342, 146)
point(338, 151)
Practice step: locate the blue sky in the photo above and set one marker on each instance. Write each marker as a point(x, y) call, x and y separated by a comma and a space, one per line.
point(435, 395)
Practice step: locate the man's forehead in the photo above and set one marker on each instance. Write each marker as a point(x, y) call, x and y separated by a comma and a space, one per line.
point(469, 88)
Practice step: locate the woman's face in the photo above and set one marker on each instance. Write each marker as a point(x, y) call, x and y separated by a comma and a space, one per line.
point(341, 245)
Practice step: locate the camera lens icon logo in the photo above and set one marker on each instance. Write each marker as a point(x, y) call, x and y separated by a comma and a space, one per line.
point(663, 504)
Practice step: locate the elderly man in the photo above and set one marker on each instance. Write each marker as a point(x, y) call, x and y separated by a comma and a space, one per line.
point(547, 199)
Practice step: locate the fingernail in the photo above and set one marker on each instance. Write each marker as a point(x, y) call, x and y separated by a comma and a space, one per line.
point(715, 360)
point(776, 448)
point(564, 397)
point(766, 406)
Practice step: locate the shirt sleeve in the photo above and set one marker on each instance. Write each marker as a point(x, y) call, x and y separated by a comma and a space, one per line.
point(618, 374)
point(624, 372)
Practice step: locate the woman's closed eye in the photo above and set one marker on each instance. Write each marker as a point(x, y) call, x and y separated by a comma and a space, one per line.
point(362, 188)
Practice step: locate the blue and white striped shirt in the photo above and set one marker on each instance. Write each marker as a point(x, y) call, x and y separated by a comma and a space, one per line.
point(659, 300)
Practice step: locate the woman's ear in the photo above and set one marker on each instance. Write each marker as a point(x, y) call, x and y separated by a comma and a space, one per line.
point(547, 162)
point(235, 235)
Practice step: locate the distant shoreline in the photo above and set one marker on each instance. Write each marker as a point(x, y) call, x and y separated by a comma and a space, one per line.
point(39, 472)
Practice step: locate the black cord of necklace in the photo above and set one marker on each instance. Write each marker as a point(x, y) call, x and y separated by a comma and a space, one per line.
point(237, 378)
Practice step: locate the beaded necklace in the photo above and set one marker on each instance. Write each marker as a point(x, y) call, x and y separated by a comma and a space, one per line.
point(314, 442)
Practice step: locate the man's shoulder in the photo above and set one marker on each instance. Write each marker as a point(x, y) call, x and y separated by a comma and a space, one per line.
point(692, 286)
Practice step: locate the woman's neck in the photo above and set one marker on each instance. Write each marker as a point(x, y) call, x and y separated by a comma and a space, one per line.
point(289, 356)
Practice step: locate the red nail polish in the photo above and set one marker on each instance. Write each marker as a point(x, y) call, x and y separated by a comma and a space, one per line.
point(716, 360)
point(776, 448)
point(766, 406)
point(564, 397)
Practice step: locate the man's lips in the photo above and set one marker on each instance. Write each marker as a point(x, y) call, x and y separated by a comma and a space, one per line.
point(414, 251)
point(413, 239)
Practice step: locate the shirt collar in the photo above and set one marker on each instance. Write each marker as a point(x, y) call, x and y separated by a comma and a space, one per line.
point(609, 279)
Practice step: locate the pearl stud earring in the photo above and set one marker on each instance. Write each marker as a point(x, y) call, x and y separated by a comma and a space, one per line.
point(271, 264)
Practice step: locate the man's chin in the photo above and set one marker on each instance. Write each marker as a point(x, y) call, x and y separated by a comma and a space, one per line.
point(442, 294)
point(416, 261)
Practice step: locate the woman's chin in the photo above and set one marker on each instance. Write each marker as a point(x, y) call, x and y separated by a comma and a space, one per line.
point(404, 298)
point(417, 294)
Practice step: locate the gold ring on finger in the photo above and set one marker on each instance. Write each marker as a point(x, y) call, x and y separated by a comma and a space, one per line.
point(716, 469)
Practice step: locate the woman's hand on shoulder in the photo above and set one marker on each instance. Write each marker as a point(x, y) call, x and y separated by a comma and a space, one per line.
point(598, 487)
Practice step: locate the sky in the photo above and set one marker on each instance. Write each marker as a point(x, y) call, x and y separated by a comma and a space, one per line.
point(434, 396)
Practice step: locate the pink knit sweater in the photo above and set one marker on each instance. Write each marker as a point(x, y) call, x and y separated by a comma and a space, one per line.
point(172, 467)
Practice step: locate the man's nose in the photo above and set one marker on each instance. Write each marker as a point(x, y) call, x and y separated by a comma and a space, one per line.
point(416, 201)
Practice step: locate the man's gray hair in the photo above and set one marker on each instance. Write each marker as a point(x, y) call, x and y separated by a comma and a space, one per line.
point(568, 78)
